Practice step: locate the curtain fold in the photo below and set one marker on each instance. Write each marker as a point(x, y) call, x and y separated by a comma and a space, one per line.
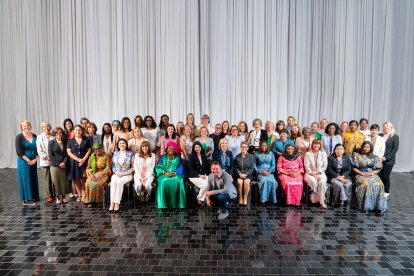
point(234, 60)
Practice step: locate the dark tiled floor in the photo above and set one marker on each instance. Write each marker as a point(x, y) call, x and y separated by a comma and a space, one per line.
point(72, 239)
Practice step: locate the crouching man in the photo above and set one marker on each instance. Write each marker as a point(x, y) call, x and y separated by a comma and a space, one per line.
point(220, 189)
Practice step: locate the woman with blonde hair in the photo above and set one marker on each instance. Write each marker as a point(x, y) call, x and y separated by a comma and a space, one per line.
point(392, 142)
point(42, 142)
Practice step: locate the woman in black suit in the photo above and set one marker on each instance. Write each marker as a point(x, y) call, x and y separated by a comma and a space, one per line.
point(256, 136)
point(392, 142)
point(58, 162)
point(338, 172)
point(199, 170)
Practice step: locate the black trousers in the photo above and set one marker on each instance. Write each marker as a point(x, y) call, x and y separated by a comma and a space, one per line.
point(385, 176)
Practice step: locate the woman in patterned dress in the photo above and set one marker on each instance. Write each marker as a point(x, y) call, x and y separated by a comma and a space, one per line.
point(264, 164)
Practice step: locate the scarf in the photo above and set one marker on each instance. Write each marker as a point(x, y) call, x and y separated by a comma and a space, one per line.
point(292, 156)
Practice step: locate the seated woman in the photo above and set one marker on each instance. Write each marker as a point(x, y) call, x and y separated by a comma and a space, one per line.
point(234, 140)
point(315, 166)
point(280, 144)
point(207, 143)
point(244, 167)
point(135, 142)
point(224, 157)
point(199, 170)
point(304, 143)
point(122, 168)
point(144, 165)
point(97, 171)
point(338, 172)
point(369, 187)
point(170, 173)
point(290, 169)
point(256, 136)
point(331, 139)
point(264, 164)
point(170, 135)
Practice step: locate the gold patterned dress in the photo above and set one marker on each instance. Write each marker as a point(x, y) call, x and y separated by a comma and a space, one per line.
point(100, 167)
point(353, 142)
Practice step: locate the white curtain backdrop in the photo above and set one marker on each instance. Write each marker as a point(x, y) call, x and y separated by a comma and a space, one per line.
point(232, 59)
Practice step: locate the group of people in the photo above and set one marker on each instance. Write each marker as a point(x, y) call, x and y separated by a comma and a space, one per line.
point(220, 161)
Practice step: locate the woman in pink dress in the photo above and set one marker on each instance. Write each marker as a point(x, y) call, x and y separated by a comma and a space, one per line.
point(290, 169)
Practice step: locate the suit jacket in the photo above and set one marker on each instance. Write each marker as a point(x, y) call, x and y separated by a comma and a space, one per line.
point(228, 163)
point(391, 148)
point(333, 164)
point(336, 139)
point(56, 155)
point(196, 168)
point(310, 165)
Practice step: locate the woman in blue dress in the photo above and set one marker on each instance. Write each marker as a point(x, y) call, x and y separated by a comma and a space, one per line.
point(369, 187)
point(264, 165)
point(26, 164)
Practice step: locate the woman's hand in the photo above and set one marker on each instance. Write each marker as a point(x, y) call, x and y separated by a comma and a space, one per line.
point(119, 174)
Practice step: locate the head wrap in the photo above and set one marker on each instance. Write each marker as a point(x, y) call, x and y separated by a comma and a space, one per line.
point(292, 156)
point(172, 144)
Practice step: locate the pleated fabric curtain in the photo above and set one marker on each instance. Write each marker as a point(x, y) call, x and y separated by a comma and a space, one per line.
point(235, 60)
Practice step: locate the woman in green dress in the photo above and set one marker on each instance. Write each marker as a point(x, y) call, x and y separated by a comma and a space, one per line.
point(170, 172)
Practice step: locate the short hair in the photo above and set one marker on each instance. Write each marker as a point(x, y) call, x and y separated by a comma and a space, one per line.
point(56, 130)
point(244, 143)
point(291, 117)
point(306, 128)
point(336, 128)
point(260, 147)
point(222, 141)
point(122, 124)
point(363, 119)
point(353, 122)
point(45, 124)
point(337, 146)
point(284, 131)
point(316, 141)
point(257, 120)
point(91, 124)
point(315, 123)
point(323, 119)
point(25, 122)
point(153, 124)
point(174, 132)
point(117, 143)
point(214, 163)
point(271, 123)
point(361, 150)
point(144, 143)
point(116, 121)
point(374, 126)
point(83, 119)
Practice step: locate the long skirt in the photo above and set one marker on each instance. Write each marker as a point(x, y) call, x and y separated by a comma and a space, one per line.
point(170, 192)
point(293, 187)
point(60, 180)
point(27, 178)
point(370, 193)
point(267, 188)
point(94, 190)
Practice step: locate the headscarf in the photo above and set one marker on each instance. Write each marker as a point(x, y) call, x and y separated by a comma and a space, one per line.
point(292, 156)
point(172, 144)
point(93, 156)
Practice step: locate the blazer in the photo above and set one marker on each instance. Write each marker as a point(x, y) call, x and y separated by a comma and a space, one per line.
point(138, 162)
point(336, 139)
point(228, 163)
point(42, 149)
point(196, 168)
point(96, 138)
point(321, 165)
point(56, 155)
point(244, 165)
point(127, 166)
point(379, 148)
point(280, 147)
point(263, 136)
point(391, 148)
point(220, 185)
point(333, 164)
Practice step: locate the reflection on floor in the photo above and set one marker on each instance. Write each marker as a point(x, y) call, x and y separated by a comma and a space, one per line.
point(50, 239)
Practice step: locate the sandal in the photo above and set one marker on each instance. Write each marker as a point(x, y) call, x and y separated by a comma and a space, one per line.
point(58, 201)
point(78, 199)
point(64, 200)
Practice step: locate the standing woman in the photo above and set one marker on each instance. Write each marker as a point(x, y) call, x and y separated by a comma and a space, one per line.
point(331, 139)
point(369, 187)
point(244, 167)
point(303, 144)
point(186, 142)
point(179, 130)
point(295, 132)
point(338, 172)
point(138, 121)
point(170, 173)
point(256, 136)
point(163, 125)
point(149, 131)
point(58, 158)
point(234, 140)
point(265, 164)
point(125, 132)
point(122, 169)
point(68, 127)
point(107, 139)
point(314, 130)
point(392, 143)
point(344, 129)
point(144, 165)
point(93, 137)
point(189, 121)
point(316, 163)
point(84, 123)
point(42, 142)
point(170, 135)
point(290, 169)
point(225, 128)
point(206, 142)
point(290, 122)
point(199, 170)
point(78, 149)
point(98, 172)
point(116, 126)
point(280, 125)
point(135, 142)
point(26, 164)
point(272, 135)
point(243, 130)
point(377, 141)
point(353, 139)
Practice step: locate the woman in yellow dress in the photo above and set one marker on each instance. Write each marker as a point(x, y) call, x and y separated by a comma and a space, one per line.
point(353, 139)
